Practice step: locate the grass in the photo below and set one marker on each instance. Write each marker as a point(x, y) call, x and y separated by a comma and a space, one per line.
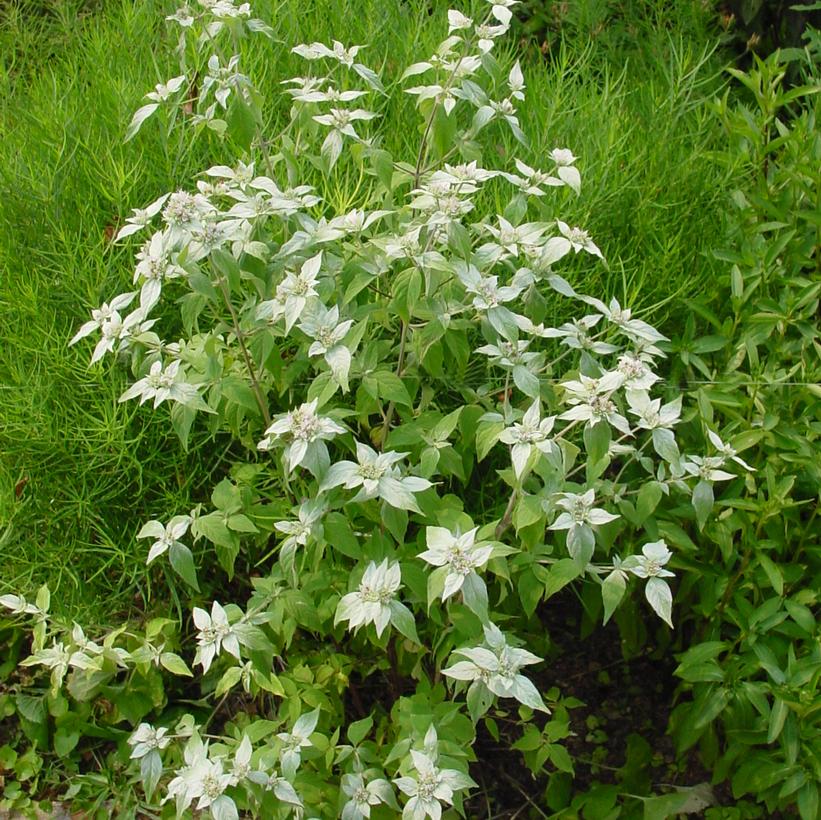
point(79, 472)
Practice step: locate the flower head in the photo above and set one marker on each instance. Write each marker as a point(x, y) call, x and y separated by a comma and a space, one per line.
point(457, 551)
point(215, 634)
point(305, 433)
point(165, 536)
point(370, 603)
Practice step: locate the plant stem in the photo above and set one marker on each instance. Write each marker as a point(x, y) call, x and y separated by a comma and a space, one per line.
point(255, 385)
point(400, 364)
point(504, 524)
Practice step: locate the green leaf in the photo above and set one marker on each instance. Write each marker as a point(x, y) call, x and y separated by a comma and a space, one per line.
point(612, 591)
point(808, 801)
point(382, 163)
point(65, 740)
point(214, 528)
point(150, 771)
point(241, 523)
point(526, 381)
point(43, 599)
point(712, 707)
point(778, 714)
point(772, 572)
point(487, 434)
point(660, 598)
point(402, 619)
point(182, 562)
point(226, 267)
point(226, 496)
point(175, 664)
point(560, 758)
point(407, 287)
point(241, 122)
point(391, 387)
point(436, 584)
point(339, 535)
point(479, 699)
point(597, 441)
point(561, 573)
point(528, 511)
point(359, 729)
point(474, 593)
point(703, 502)
point(530, 590)
point(182, 418)
point(649, 496)
point(664, 443)
point(708, 344)
point(663, 806)
point(228, 681)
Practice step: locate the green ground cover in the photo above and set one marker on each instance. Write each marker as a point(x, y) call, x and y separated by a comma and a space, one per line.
point(79, 471)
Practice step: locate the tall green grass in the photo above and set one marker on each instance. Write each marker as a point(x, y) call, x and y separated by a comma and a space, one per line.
point(80, 473)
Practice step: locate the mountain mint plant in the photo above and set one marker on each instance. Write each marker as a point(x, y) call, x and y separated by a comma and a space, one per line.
point(423, 463)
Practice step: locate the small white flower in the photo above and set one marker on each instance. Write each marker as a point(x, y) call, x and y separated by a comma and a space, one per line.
point(650, 564)
point(165, 535)
point(532, 433)
point(579, 239)
point(650, 412)
point(496, 666)
point(458, 21)
point(281, 788)
point(182, 16)
point(636, 375)
point(516, 82)
point(187, 784)
point(532, 180)
point(56, 658)
point(164, 91)
point(457, 551)
point(297, 739)
point(487, 292)
point(298, 532)
point(116, 332)
point(370, 603)
point(579, 509)
point(306, 433)
point(163, 384)
point(513, 240)
point(486, 34)
point(241, 764)
point(637, 330)
point(707, 468)
point(430, 788)
point(364, 796)
point(501, 10)
point(140, 218)
point(146, 739)
point(377, 476)
point(509, 354)
point(293, 294)
point(578, 519)
point(19, 606)
point(727, 451)
point(103, 314)
point(590, 400)
point(215, 634)
point(564, 159)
